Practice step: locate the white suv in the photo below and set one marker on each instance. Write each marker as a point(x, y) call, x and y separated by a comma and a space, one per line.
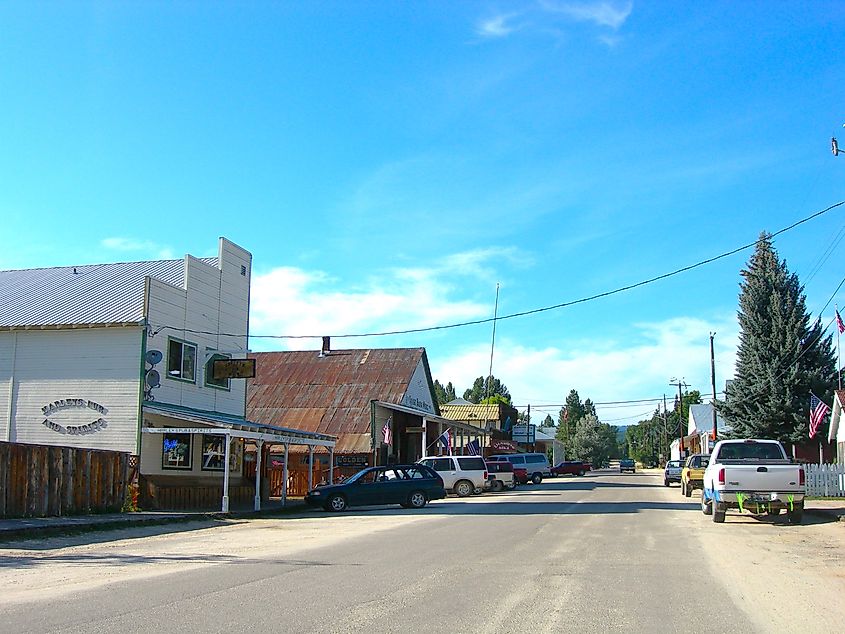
point(536, 465)
point(463, 475)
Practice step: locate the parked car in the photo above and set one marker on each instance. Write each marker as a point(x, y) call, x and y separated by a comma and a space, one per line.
point(410, 486)
point(752, 475)
point(520, 475)
point(500, 476)
point(692, 475)
point(571, 467)
point(536, 464)
point(627, 464)
point(462, 475)
point(672, 472)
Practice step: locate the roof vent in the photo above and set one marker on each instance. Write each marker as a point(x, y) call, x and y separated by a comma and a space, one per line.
point(327, 347)
point(75, 272)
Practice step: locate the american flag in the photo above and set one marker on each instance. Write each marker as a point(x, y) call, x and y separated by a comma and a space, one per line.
point(473, 448)
point(839, 323)
point(446, 440)
point(386, 432)
point(818, 411)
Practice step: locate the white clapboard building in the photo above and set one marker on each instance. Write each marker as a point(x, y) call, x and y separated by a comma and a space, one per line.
point(120, 356)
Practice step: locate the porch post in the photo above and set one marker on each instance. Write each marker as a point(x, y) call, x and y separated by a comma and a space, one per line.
point(424, 449)
point(331, 464)
point(225, 505)
point(258, 475)
point(285, 478)
point(310, 467)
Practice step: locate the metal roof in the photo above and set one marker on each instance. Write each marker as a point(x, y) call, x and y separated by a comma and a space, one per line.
point(90, 294)
point(330, 394)
point(236, 423)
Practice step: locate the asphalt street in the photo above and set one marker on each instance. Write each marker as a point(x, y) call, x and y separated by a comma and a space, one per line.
point(606, 552)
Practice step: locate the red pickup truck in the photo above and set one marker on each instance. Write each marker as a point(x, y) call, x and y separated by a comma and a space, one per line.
point(571, 467)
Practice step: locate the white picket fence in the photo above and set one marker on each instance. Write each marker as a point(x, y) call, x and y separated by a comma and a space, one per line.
point(825, 480)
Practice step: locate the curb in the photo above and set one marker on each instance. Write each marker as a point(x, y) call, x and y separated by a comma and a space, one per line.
point(82, 527)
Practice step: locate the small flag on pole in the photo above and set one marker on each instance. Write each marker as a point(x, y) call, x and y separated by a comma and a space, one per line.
point(386, 432)
point(446, 440)
point(818, 411)
point(473, 448)
point(839, 323)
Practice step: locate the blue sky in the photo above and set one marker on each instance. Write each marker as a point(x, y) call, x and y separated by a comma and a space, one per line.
point(388, 163)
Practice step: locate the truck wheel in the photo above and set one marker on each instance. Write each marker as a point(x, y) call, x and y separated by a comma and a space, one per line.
point(687, 491)
point(796, 515)
point(537, 478)
point(706, 507)
point(580, 473)
point(498, 486)
point(464, 488)
point(718, 513)
point(683, 488)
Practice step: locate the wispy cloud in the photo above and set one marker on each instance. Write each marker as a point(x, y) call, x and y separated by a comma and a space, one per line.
point(608, 14)
point(601, 369)
point(294, 301)
point(145, 247)
point(496, 27)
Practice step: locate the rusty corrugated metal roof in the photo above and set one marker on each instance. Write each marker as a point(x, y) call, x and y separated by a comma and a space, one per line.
point(330, 394)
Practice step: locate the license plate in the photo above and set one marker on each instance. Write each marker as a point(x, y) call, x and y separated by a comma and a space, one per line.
point(761, 497)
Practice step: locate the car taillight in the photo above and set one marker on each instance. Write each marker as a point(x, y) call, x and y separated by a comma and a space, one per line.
point(485, 475)
point(801, 476)
point(722, 475)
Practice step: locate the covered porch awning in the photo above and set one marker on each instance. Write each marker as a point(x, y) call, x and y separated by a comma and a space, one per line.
point(454, 424)
point(216, 423)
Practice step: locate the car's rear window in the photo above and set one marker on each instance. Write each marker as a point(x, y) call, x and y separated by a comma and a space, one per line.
point(750, 451)
point(535, 458)
point(674, 463)
point(472, 464)
point(517, 459)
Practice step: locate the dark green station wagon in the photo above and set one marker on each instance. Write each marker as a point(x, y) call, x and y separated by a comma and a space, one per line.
point(411, 486)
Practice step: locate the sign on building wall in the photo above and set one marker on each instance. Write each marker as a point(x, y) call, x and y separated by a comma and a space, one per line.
point(418, 394)
point(524, 433)
point(74, 416)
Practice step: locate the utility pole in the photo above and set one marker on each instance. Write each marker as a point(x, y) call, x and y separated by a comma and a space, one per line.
point(666, 427)
point(680, 382)
point(713, 385)
point(492, 345)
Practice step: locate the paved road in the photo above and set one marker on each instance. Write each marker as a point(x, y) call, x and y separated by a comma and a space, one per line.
point(601, 553)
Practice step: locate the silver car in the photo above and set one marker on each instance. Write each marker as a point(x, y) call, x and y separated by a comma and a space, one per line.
point(672, 472)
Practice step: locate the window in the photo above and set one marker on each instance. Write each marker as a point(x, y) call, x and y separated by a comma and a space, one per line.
point(534, 457)
point(472, 464)
point(213, 453)
point(441, 464)
point(516, 459)
point(181, 360)
point(176, 451)
point(210, 381)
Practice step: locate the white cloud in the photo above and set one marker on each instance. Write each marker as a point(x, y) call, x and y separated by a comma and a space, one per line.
point(293, 301)
point(607, 14)
point(637, 367)
point(495, 27)
point(129, 245)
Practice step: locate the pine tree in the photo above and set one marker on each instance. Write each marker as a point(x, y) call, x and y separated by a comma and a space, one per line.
point(781, 357)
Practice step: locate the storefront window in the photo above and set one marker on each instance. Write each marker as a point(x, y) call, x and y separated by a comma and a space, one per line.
point(213, 452)
point(176, 451)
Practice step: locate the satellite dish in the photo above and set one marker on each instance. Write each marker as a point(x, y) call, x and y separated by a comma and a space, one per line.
point(153, 378)
point(153, 356)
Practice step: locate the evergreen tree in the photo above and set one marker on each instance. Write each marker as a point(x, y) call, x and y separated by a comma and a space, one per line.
point(548, 421)
point(781, 357)
point(479, 390)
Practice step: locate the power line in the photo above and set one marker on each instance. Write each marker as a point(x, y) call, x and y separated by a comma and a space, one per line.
point(534, 311)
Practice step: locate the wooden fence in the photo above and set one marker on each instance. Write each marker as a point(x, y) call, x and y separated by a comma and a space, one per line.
point(298, 479)
point(825, 480)
point(45, 480)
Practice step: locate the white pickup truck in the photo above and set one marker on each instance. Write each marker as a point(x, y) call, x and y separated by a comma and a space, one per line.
point(755, 476)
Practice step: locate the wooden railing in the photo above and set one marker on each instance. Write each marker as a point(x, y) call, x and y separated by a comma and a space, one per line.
point(45, 480)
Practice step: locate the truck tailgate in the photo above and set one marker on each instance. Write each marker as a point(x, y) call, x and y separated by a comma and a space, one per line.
point(763, 478)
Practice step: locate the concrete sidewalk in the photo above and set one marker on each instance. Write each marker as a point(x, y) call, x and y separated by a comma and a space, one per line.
point(31, 527)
